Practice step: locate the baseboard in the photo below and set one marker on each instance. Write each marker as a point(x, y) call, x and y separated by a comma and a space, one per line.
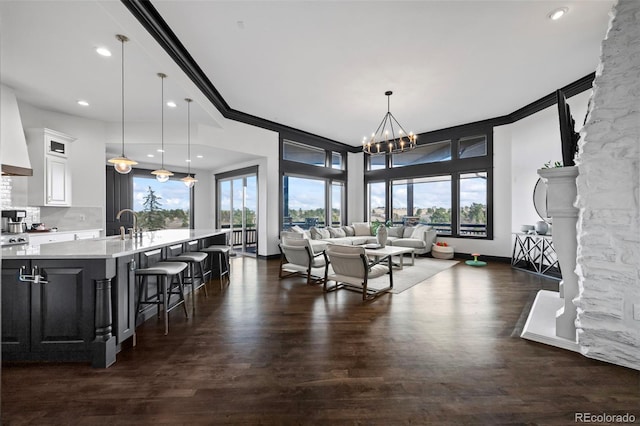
point(268, 257)
point(486, 258)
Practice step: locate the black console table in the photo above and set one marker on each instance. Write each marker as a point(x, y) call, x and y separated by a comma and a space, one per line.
point(535, 253)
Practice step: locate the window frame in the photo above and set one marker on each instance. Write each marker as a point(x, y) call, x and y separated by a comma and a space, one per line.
point(327, 173)
point(454, 167)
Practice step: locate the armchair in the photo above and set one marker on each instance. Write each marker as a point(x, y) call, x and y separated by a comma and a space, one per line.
point(298, 258)
point(352, 269)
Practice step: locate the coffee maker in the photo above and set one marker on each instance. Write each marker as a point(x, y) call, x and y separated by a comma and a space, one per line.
point(14, 221)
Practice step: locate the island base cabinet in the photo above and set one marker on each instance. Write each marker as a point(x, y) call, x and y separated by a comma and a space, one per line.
point(16, 309)
point(124, 301)
point(55, 320)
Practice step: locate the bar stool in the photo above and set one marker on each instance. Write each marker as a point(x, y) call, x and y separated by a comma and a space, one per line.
point(165, 274)
point(195, 266)
point(223, 253)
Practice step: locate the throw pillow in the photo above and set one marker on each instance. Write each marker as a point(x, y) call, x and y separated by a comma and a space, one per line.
point(349, 231)
point(337, 232)
point(289, 234)
point(419, 231)
point(296, 228)
point(362, 229)
point(395, 231)
point(319, 233)
point(315, 235)
point(407, 231)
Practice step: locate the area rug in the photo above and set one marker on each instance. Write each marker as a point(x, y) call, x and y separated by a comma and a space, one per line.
point(409, 276)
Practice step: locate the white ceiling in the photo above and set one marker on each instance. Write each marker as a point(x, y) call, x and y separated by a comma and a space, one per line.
point(319, 66)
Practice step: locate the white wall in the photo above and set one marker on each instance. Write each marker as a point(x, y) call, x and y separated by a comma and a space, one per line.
point(87, 151)
point(608, 261)
point(535, 141)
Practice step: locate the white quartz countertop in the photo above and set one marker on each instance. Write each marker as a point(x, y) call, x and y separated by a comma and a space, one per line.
point(63, 231)
point(108, 247)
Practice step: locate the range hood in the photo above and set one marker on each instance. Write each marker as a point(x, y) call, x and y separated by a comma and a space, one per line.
point(14, 156)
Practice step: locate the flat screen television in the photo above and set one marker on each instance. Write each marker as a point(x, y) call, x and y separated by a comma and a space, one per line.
point(568, 136)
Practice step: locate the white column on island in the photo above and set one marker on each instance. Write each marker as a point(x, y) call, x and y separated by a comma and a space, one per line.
point(561, 196)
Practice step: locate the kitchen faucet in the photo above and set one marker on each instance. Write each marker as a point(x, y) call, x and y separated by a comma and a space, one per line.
point(134, 232)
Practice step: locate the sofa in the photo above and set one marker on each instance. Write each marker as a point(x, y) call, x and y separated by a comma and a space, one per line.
point(420, 237)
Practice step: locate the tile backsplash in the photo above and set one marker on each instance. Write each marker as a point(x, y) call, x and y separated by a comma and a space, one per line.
point(13, 196)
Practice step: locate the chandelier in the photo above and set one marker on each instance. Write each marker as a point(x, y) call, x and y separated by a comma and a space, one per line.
point(390, 137)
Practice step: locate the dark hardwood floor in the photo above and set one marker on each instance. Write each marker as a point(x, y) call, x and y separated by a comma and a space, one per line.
point(269, 351)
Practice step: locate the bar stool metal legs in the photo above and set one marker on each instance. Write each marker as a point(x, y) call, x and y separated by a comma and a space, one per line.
point(197, 275)
point(222, 253)
point(168, 282)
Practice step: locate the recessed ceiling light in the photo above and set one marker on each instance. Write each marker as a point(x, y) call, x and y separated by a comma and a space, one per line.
point(199, 156)
point(187, 160)
point(150, 155)
point(103, 51)
point(557, 13)
point(160, 150)
point(83, 103)
point(171, 104)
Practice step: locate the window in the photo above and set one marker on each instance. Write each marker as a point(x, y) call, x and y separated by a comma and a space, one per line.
point(337, 195)
point(161, 205)
point(475, 146)
point(304, 202)
point(377, 201)
point(300, 153)
point(377, 162)
point(224, 204)
point(473, 204)
point(237, 204)
point(399, 200)
point(427, 153)
point(445, 182)
point(432, 202)
point(336, 160)
point(313, 184)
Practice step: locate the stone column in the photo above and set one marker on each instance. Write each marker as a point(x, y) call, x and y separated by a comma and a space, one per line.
point(561, 196)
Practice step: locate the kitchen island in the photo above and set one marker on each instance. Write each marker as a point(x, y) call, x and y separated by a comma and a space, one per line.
point(75, 300)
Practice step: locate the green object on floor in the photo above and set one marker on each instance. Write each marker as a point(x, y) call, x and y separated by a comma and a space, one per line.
point(475, 261)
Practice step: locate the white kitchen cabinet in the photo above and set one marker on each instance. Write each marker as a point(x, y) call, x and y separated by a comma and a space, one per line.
point(49, 153)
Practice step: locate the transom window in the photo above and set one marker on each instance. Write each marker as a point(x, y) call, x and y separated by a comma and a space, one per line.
point(428, 153)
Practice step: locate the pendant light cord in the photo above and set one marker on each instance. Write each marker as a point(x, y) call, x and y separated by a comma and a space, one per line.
point(122, 94)
point(162, 120)
point(189, 136)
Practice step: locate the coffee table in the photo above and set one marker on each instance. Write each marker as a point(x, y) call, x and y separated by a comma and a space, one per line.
point(391, 251)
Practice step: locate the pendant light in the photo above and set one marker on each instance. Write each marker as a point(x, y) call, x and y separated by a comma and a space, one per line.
point(161, 174)
point(189, 180)
point(122, 164)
